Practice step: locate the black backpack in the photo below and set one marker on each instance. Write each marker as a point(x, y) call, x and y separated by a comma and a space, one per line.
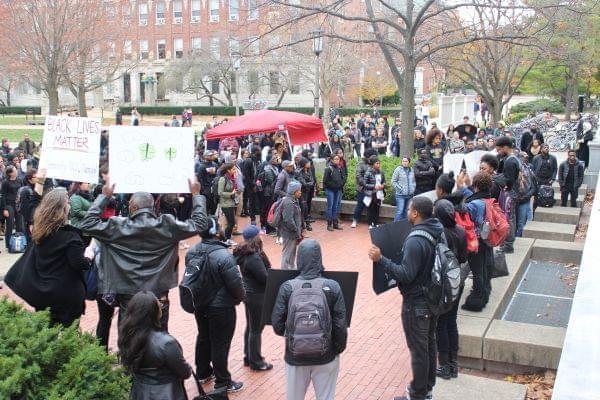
point(214, 188)
point(545, 196)
point(443, 284)
point(199, 286)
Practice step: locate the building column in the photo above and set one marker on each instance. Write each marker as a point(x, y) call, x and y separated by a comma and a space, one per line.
point(135, 87)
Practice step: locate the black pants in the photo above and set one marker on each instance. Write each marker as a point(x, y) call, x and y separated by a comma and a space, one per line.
point(447, 329)
point(13, 222)
point(251, 203)
point(105, 316)
point(419, 328)
point(229, 213)
point(215, 332)
point(309, 198)
point(267, 202)
point(373, 211)
point(480, 267)
point(211, 205)
point(124, 299)
point(254, 327)
point(564, 196)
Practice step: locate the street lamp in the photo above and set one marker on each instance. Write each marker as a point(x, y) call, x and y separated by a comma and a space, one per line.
point(317, 37)
point(380, 90)
point(237, 60)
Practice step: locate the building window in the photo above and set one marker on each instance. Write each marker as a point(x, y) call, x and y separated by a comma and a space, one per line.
point(196, 45)
point(215, 48)
point(254, 45)
point(234, 10)
point(214, 83)
point(214, 10)
point(274, 82)
point(295, 82)
point(160, 13)
point(252, 9)
point(143, 9)
point(127, 49)
point(177, 11)
point(178, 47)
point(196, 4)
point(144, 49)
point(234, 47)
point(161, 49)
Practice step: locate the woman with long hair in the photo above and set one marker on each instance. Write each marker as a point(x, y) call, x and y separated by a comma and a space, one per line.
point(254, 266)
point(228, 197)
point(153, 357)
point(50, 273)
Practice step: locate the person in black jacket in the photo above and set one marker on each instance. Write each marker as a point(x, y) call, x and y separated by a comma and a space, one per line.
point(24, 205)
point(249, 169)
point(333, 183)
point(304, 175)
point(323, 370)
point(8, 204)
point(216, 323)
point(570, 178)
point(254, 265)
point(361, 170)
point(447, 329)
point(425, 173)
point(509, 167)
point(374, 190)
point(308, 154)
point(207, 171)
point(54, 262)
point(419, 323)
point(153, 357)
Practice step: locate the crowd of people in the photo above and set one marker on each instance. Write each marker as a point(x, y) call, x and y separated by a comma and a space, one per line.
point(131, 243)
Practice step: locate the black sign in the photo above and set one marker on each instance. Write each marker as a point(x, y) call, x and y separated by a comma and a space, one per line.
point(390, 239)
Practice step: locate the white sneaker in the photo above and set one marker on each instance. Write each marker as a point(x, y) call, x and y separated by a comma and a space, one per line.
point(353, 224)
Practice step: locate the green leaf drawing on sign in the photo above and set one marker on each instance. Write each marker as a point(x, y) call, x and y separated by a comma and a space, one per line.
point(170, 153)
point(147, 151)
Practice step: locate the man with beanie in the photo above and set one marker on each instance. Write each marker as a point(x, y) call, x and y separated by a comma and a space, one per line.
point(290, 225)
point(283, 179)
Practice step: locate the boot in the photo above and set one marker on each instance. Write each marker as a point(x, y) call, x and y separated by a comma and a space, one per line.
point(443, 370)
point(474, 302)
point(330, 226)
point(336, 225)
point(309, 218)
point(308, 227)
point(453, 363)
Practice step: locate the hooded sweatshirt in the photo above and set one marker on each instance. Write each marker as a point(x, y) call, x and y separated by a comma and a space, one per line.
point(418, 255)
point(310, 265)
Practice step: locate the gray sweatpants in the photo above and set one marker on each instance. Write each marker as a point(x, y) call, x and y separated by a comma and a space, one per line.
point(288, 255)
point(323, 377)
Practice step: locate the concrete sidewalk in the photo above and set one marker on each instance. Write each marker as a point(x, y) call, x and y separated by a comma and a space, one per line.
point(6, 260)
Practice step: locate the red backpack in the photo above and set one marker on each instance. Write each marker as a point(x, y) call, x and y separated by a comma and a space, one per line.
point(464, 221)
point(495, 227)
point(274, 215)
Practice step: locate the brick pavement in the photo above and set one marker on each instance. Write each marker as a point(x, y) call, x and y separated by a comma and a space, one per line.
point(376, 362)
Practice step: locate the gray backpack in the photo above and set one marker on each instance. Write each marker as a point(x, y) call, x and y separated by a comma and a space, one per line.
point(308, 326)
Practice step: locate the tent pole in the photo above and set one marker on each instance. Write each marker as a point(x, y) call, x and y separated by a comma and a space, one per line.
point(287, 134)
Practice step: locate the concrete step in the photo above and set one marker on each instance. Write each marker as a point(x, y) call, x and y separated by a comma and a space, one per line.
point(470, 387)
point(582, 189)
point(549, 231)
point(557, 251)
point(561, 215)
point(580, 199)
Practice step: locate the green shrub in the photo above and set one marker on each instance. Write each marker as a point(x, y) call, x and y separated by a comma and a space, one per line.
point(38, 361)
point(538, 106)
point(177, 110)
point(516, 117)
point(20, 110)
point(343, 111)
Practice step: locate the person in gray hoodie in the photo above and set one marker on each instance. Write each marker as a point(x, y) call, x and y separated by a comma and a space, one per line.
point(290, 225)
point(301, 369)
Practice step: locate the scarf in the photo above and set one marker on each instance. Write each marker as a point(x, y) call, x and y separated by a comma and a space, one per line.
point(231, 179)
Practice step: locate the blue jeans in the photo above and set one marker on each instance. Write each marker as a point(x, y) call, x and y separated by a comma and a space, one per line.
point(359, 206)
point(334, 201)
point(523, 215)
point(401, 206)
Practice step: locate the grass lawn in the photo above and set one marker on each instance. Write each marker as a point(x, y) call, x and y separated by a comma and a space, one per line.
point(17, 119)
point(15, 136)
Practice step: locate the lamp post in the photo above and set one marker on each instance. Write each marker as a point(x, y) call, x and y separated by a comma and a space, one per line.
point(317, 37)
point(237, 60)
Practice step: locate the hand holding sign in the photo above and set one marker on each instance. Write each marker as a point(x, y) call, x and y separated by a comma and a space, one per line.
point(108, 189)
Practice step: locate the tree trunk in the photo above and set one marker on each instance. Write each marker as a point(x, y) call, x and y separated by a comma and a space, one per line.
point(326, 103)
point(495, 109)
point(281, 97)
point(408, 110)
point(7, 97)
point(52, 92)
point(571, 92)
point(81, 104)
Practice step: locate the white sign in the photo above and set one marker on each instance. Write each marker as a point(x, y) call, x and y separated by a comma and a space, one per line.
point(151, 159)
point(71, 148)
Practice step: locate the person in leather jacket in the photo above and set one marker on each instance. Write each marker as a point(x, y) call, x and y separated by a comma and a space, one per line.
point(425, 172)
point(153, 357)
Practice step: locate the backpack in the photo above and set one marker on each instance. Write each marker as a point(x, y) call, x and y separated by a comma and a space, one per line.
point(464, 221)
point(198, 287)
point(545, 196)
point(214, 188)
point(275, 212)
point(495, 227)
point(527, 183)
point(17, 243)
point(442, 287)
point(20, 193)
point(308, 325)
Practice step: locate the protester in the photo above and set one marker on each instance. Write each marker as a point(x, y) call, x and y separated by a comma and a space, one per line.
point(419, 142)
point(403, 182)
point(374, 190)
point(308, 154)
point(570, 178)
point(122, 238)
point(8, 204)
point(509, 167)
point(419, 323)
point(425, 172)
point(50, 273)
point(489, 165)
point(228, 198)
point(207, 172)
point(254, 266)
point(435, 149)
point(304, 175)
point(135, 117)
point(216, 323)
point(348, 144)
point(26, 204)
point(334, 179)
point(27, 145)
point(290, 226)
point(318, 360)
point(284, 178)
point(80, 200)
point(268, 179)
point(527, 189)
point(534, 149)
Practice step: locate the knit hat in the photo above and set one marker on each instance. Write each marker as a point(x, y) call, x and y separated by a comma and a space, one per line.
point(285, 163)
point(446, 182)
point(293, 187)
point(250, 231)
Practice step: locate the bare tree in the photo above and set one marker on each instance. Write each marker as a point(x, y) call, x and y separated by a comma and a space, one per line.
point(9, 79)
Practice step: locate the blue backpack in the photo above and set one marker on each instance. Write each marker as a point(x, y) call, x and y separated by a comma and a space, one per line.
point(17, 243)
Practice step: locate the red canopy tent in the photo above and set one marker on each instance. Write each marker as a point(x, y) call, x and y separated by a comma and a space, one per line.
point(301, 128)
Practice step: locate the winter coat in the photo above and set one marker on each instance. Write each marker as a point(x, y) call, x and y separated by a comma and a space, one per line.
point(283, 180)
point(162, 370)
point(424, 175)
point(370, 181)
point(475, 205)
point(8, 193)
point(361, 170)
point(334, 178)
point(290, 226)
point(270, 179)
point(226, 194)
point(223, 268)
point(140, 251)
point(79, 207)
point(306, 179)
point(403, 181)
point(206, 178)
point(563, 171)
point(254, 272)
point(545, 168)
point(348, 148)
point(310, 265)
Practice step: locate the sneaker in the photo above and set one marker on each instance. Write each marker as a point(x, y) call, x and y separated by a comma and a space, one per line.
point(372, 226)
point(204, 381)
point(263, 367)
point(443, 371)
point(353, 224)
point(235, 387)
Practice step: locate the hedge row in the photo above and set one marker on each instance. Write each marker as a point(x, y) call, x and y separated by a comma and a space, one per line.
point(39, 361)
point(343, 111)
point(538, 106)
point(177, 110)
point(21, 110)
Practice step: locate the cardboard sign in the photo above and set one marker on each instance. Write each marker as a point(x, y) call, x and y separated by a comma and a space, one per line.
point(71, 148)
point(151, 159)
point(346, 280)
point(390, 239)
